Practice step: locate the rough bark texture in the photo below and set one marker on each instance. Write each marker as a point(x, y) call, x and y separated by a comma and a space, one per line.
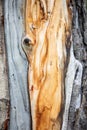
point(78, 107)
point(4, 91)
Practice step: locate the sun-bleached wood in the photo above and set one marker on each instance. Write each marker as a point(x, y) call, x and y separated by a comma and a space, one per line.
point(73, 66)
point(17, 64)
point(48, 26)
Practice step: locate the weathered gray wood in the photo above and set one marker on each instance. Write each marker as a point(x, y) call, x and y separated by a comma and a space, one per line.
point(77, 112)
point(78, 106)
point(14, 31)
point(4, 90)
point(71, 78)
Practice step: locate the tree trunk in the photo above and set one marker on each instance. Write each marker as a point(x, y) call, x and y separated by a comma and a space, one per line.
point(53, 35)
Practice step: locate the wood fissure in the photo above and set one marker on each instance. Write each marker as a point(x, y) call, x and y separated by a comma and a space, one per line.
point(48, 26)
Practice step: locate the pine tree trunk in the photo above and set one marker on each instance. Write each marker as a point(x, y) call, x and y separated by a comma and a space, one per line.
point(49, 91)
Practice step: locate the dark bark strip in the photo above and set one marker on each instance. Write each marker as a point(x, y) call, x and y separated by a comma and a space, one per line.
point(4, 90)
point(78, 108)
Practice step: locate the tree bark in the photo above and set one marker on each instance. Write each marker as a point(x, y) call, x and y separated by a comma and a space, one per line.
point(78, 106)
point(4, 90)
point(53, 35)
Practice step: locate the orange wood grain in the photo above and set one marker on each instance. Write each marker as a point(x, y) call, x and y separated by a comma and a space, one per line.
point(48, 24)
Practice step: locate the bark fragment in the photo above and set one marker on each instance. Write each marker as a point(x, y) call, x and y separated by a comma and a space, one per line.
point(4, 90)
point(78, 111)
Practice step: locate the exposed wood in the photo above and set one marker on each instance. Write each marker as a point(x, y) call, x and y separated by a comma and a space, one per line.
point(4, 90)
point(48, 27)
point(54, 65)
point(14, 30)
point(72, 76)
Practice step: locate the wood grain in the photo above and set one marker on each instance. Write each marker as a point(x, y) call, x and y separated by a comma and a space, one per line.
point(47, 47)
point(17, 63)
point(48, 25)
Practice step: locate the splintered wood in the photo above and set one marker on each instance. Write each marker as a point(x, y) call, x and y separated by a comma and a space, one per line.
point(47, 26)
